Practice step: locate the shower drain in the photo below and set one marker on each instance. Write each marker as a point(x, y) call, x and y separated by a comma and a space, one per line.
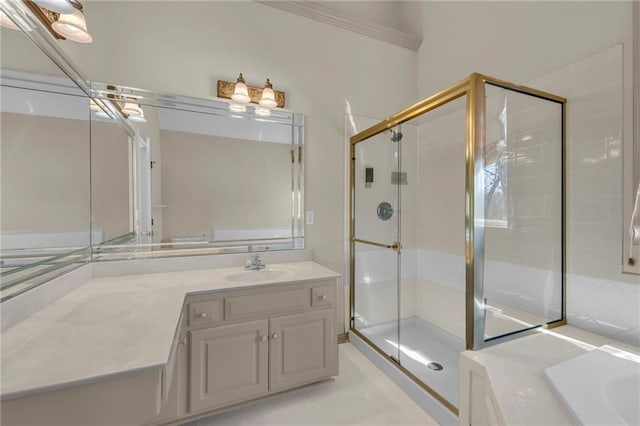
point(435, 366)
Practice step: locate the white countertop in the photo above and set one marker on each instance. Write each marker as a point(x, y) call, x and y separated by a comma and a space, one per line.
point(113, 326)
point(515, 371)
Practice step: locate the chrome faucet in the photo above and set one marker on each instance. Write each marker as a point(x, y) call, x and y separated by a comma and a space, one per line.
point(255, 263)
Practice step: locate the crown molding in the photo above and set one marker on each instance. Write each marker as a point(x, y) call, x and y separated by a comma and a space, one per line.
point(318, 11)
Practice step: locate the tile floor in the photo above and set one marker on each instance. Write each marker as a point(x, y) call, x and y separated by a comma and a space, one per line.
point(360, 395)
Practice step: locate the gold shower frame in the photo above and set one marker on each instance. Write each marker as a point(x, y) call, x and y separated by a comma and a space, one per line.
point(474, 88)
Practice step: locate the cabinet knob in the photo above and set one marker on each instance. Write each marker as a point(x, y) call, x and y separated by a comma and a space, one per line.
point(322, 297)
point(274, 336)
point(264, 338)
point(203, 315)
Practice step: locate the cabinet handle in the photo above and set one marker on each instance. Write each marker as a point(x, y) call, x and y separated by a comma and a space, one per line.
point(264, 338)
point(203, 315)
point(274, 336)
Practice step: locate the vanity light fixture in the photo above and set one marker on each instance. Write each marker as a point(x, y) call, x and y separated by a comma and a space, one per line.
point(73, 26)
point(242, 94)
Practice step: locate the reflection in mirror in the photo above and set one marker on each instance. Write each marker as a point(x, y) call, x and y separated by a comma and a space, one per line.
point(111, 181)
point(210, 181)
point(44, 147)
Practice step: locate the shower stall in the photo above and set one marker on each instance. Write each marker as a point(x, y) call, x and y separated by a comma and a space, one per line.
point(457, 228)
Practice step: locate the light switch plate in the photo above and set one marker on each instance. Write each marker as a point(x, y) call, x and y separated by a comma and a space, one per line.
point(309, 218)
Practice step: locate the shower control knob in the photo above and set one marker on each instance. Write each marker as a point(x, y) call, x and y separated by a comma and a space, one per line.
point(275, 336)
point(203, 315)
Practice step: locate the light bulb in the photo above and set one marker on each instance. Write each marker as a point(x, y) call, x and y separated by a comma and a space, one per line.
point(240, 92)
point(268, 99)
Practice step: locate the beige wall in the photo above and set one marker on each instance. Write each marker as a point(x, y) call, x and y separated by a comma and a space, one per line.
point(45, 173)
point(21, 54)
point(110, 150)
point(210, 181)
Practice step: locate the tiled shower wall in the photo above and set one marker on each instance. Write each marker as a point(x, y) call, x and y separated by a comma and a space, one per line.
point(600, 298)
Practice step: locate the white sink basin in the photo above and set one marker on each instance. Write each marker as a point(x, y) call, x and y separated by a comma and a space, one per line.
point(599, 387)
point(267, 274)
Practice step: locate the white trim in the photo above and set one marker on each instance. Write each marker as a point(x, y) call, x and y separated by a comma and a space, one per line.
point(319, 12)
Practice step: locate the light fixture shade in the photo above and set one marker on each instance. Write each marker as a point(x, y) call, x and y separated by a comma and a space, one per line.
point(237, 107)
point(102, 114)
point(263, 112)
point(73, 27)
point(240, 92)
point(6, 22)
point(268, 99)
point(133, 111)
point(59, 6)
point(138, 118)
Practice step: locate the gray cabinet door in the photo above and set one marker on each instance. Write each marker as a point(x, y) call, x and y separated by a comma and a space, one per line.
point(302, 348)
point(228, 364)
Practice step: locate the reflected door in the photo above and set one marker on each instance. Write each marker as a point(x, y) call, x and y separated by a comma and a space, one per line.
point(375, 237)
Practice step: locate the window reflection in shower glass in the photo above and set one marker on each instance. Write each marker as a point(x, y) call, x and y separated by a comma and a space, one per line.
point(523, 212)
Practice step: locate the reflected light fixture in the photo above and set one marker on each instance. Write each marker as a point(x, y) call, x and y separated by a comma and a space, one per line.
point(58, 6)
point(73, 26)
point(237, 107)
point(263, 112)
point(99, 112)
point(6, 22)
point(268, 99)
point(133, 111)
point(240, 92)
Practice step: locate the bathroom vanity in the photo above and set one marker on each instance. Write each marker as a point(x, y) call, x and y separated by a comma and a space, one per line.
point(169, 347)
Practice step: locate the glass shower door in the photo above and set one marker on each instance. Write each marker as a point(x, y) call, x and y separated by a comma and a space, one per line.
point(375, 240)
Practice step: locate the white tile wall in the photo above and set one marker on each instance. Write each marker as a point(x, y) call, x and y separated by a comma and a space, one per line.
point(611, 308)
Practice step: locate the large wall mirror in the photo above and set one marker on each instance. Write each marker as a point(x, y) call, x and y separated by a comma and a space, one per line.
point(80, 182)
point(45, 212)
point(209, 180)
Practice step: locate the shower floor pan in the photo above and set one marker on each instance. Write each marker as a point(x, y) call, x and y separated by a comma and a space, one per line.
point(421, 343)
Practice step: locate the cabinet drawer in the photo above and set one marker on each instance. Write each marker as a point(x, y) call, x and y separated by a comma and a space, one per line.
point(322, 296)
point(264, 304)
point(208, 312)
